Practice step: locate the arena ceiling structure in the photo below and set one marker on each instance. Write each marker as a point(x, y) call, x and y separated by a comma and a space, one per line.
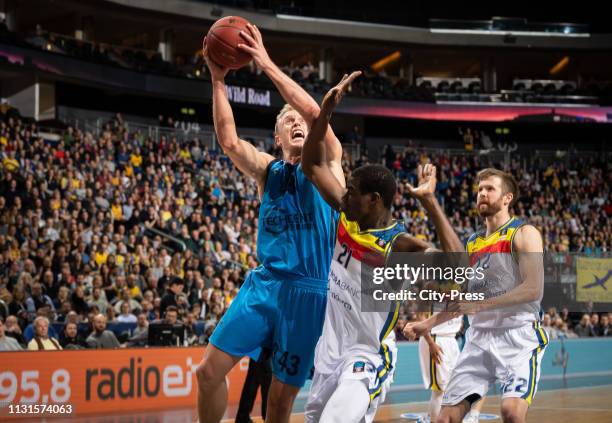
point(421, 61)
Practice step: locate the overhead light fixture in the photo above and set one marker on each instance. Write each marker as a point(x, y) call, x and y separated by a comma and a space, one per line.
point(514, 33)
point(385, 61)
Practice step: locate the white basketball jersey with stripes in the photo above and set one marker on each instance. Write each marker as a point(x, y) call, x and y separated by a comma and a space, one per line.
point(348, 332)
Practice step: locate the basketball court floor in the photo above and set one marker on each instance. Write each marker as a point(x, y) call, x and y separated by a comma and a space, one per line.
point(589, 404)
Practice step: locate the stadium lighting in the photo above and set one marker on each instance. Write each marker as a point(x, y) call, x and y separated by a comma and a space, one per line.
point(559, 66)
point(382, 63)
point(514, 33)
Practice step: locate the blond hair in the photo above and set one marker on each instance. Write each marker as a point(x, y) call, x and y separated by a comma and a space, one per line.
point(286, 109)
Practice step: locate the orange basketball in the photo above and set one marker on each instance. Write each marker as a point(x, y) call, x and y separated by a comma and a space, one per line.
point(222, 41)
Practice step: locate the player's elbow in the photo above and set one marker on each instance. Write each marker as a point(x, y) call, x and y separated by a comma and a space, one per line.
point(533, 293)
point(311, 112)
point(227, 143)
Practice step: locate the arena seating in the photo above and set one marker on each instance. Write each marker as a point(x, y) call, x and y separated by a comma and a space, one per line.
point(123, 214)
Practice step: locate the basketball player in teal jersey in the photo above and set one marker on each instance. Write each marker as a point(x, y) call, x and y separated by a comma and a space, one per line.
point(281, 305)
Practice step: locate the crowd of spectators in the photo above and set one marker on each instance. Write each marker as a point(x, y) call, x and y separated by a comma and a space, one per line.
point(121, 229)
point(568, 201)
point(82, 221)
point(593, 324)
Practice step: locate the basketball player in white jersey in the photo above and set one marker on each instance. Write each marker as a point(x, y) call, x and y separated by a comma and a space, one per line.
point(438, 353)
point(355, 356)
point(505, 342)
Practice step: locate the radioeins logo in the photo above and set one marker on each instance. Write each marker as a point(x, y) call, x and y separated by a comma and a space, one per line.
point(137, 381)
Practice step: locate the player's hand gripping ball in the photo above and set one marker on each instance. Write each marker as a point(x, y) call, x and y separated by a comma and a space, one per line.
point(222, 42)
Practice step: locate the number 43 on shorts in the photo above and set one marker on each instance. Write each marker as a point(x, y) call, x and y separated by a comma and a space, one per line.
point(289, 363)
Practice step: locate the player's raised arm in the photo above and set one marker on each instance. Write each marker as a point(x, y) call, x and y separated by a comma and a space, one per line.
point(295, 95)
point(315, 165)
point(425, 193)
point(245, 156)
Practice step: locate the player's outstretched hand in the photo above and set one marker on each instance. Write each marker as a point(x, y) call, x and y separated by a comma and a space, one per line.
point(253, 44)
point(334, 96)
point(426, 182)
point(435, 352)
point(217, 72)
point(415, 329)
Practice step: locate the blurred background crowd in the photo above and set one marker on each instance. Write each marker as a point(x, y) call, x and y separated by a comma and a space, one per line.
point(119, 230)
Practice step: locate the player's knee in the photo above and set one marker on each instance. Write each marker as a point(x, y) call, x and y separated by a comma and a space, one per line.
point(449, 415)
point(205, 375)
point(511, 415)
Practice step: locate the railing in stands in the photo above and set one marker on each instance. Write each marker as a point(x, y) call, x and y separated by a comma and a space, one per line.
point(184, 132)
point(175, 244)
point(504, 153)
point(170, 242)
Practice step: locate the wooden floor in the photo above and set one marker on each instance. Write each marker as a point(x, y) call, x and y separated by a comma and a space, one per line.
point(589, 405)
point(592, 405)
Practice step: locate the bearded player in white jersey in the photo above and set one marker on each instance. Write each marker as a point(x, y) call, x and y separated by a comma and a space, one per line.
point(505, 342)
point(355, 356)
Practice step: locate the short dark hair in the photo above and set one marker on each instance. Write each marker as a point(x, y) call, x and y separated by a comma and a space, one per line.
point(171, 308)
point(377, 178)
point(177, 281)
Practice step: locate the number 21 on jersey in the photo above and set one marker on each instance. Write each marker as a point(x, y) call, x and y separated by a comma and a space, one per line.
point(345, 256)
